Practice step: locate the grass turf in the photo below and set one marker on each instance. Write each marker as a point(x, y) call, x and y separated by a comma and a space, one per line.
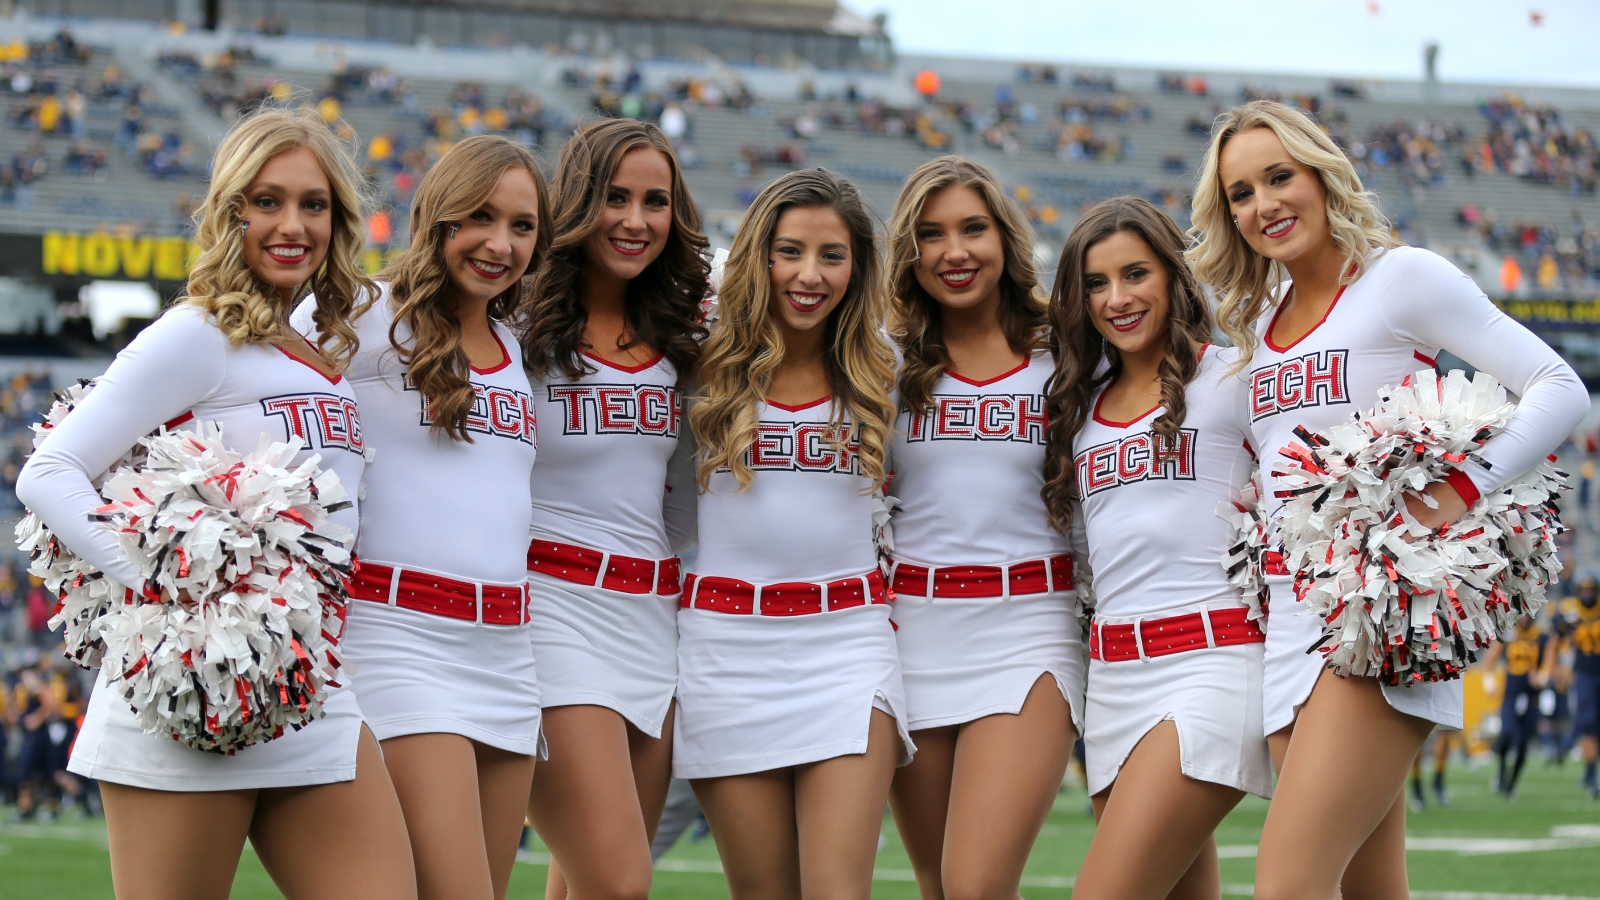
point(1545, 842)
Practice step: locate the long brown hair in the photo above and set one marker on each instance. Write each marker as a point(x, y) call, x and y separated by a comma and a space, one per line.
point(1243, 279)
point(245, 309)
point(746, 348)
point(663, 303)
point(1080, 349)
point(419, 280)
point(918, 326)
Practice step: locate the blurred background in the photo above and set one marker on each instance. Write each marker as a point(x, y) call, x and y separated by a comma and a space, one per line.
point(1474, 121)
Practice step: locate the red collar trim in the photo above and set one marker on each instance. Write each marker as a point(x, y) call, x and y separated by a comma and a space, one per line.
point(505, 356)
point(988, 381)
point(622, 368)
point(1267, 339)
point(804, 406)
point(1104, 421)
point(332, 379)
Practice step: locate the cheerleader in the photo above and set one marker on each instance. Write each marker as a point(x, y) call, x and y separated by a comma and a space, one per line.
point(791, 717)
point(438, 617)
point(1360, 311)
point(282, 215)
point(612, 333)
point(1147, 439)
point(986, 621)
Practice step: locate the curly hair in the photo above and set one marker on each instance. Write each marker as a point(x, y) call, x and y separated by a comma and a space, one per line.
point(918, 325)
point(663, 302)
point(1080, 349)
point(246, 308)
point(1244, 280)
point(746, 348)
point(419, 279)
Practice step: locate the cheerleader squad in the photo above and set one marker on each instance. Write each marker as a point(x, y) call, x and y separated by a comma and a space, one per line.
point(374, 570)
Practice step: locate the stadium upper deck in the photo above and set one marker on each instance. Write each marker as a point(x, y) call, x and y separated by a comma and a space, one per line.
point(1481, 173)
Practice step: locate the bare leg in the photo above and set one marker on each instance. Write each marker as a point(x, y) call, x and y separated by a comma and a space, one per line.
point(1203, 881)
point(436, 778)
point(652, 770)
point(1007, 772)
point(362, 851)
point(504, 779)
point(838, 805)
point(1154, 824)
point(753, 822)
point(920, 798)
point(585, 804)
point(1340, 779)
point(175, 845)
point(1378, 870)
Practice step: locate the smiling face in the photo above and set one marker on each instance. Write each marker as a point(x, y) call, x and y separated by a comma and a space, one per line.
point(637, 218)
point(811, 267)
point(496, 241)
point(289, 210)
point(1128, 296)
point(1279, 202)
point(961, 249)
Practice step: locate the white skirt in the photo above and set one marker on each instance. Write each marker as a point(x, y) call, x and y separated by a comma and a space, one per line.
point(963, 659)
point(1291, 672)
point(605, 648)
point(1213, 696)
point(418, 673)
point(757, 693)
point(112, 747)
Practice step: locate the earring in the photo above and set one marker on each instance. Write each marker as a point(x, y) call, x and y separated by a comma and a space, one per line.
point(1236, 221)
point(454, 227)
point(919, 262)
point(244, 226)
point(769, 263)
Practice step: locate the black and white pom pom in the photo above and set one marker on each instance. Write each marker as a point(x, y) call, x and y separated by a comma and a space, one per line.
point(1398, 600)
point(83, 594)
point(1247, 546)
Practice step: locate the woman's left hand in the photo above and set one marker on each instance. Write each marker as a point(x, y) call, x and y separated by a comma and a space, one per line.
point(1450, 505)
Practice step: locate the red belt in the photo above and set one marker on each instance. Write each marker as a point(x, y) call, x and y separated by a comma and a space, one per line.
point(470, 601)
point(1174, 634)
point(1273, 563)
point(626, 574)
point(1036, 576)
point(791, 598)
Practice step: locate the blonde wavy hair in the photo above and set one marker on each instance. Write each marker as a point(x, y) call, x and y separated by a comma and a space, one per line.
point(245, 308)
point(745, 347)
point(419, 279)
point(1219, 255)
point(918, 325)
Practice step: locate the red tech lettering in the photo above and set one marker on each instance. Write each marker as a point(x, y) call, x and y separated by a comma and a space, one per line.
point(1132, 459)
point(808, 447)
point(1315, 379)
point(986, 417)
point(649, 409)
point(325, 421)
point(496, 411)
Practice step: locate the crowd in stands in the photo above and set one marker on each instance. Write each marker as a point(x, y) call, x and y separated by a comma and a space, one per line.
point(1548, 257)
point(1531, 141)
point(1178, 83)
point(1421, 151)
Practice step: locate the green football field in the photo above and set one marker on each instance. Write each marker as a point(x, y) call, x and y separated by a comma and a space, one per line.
point(1543, 845)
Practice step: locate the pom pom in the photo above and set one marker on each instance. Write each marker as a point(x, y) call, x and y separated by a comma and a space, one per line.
point(1398, 600)
point(1247, 546)
point(883, 507)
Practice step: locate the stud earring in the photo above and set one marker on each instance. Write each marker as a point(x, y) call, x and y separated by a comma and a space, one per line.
point(769, 263)
point(454, 228)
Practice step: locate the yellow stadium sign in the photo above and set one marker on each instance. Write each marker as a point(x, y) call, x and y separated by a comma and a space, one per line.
point(139, 257)
point(1559, 315)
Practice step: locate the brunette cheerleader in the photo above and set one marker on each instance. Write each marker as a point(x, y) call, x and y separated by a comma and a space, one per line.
point(438, 621)
point(612, 333)
point(1276, 196)
point(790, 708)
point(987, 622)
point(283, 215)
point(1147, 439)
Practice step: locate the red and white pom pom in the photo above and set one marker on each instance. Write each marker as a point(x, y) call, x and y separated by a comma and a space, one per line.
point(83, 594)
point(883, 507)
point(1247, 546)
point(1400, 601)
point(232, 639)
point(710, 310)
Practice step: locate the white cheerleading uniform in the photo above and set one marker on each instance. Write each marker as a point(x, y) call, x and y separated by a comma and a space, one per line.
point(761, 692)
point(605, 439)
point(968, 474)
point(1407, 305)
point(182, 368)
point(437, 511)
point(1154, 545)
